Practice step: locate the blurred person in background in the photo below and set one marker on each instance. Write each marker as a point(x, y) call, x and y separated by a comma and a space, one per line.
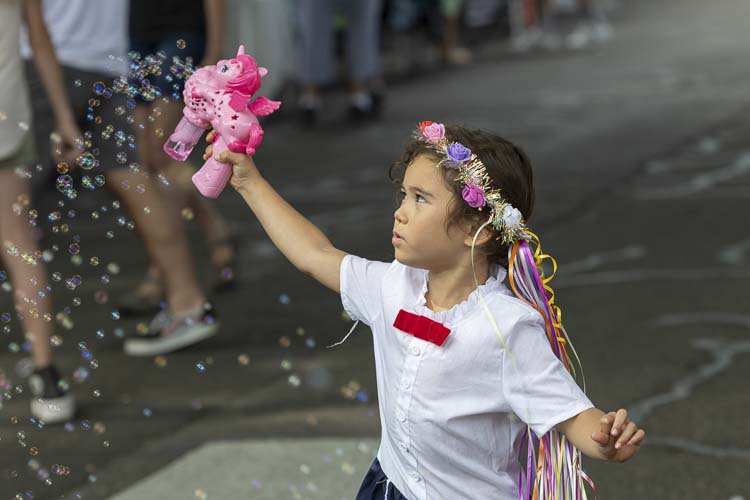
point(317, 62)
point(90, 39)
point(162, 33)
point(592, 27)
point(403, 16)
point(52, 402)
point(537, 24)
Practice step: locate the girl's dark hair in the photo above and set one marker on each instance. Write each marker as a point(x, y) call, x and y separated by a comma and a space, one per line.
point(506, 164)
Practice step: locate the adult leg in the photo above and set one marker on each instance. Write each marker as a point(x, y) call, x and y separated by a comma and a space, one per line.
point(164, 236)
point(148, 294)
point(52, 403)
point(315, 59)
point(26, 269)
point(453, 53)
point(363, 55)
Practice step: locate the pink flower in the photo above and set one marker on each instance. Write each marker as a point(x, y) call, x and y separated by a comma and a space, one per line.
point(424, 124)
point(474, 196)
point(434, 132)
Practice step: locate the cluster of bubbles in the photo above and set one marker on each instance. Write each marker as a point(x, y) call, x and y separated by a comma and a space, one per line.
point(142, 68)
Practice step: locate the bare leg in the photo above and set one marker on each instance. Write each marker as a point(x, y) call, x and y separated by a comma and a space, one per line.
point(453, 53)
point(164, 236)
point(27, 271)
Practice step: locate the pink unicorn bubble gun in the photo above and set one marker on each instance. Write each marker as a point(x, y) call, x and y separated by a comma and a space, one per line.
point(219, 97)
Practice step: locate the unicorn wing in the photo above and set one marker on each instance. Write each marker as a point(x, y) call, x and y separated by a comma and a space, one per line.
point(263, 106)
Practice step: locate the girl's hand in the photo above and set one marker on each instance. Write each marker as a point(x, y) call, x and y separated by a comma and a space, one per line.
point(244, 171)
point(618, 437)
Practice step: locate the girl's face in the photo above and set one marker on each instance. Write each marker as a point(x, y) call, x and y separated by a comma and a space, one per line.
point(420, 237)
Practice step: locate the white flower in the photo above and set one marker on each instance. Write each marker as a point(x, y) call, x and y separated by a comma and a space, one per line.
point(511, 217)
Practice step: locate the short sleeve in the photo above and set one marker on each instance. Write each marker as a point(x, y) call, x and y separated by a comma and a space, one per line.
point(538, 388)
point(362, 287)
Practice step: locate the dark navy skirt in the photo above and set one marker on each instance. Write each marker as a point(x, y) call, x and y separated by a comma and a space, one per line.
point(376, 486)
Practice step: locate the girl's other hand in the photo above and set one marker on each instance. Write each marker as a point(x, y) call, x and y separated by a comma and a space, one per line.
point(244, 171)
point(618, 438)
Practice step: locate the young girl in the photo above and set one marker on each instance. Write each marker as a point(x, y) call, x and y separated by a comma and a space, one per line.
point(464, 370)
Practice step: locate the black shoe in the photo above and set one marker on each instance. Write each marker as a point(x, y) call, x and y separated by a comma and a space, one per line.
point(308, 117)
point(359, 113)
point(309, 107)
point(52, 402)
point(168, 333)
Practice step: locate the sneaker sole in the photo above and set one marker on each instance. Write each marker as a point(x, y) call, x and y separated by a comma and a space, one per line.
point(54, 410)
point(139, 347)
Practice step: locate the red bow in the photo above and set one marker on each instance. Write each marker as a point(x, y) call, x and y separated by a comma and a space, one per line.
point(421, 327)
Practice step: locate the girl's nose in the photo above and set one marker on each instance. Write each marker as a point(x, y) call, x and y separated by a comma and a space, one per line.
point(399, 216)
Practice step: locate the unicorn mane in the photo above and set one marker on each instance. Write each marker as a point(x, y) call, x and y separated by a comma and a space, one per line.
point(248, 81)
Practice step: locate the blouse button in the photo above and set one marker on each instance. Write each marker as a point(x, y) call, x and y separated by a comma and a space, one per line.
point(415, 350)
point(405, 384)
point(401, 416)
point(415, 476)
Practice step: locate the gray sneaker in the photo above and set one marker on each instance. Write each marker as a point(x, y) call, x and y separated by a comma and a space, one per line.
point(167, 333)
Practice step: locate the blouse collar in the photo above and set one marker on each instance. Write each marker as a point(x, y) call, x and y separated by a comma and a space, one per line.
point(494, 284)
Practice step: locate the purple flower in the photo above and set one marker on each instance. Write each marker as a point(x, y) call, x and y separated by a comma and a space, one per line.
point(458, 153)
point(474, 196)
point(434, 132)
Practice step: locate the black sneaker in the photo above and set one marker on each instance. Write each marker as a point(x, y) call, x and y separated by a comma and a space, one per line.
point(52, 403)
point(168, 333)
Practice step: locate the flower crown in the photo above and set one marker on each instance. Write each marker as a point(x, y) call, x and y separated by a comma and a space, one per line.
point(472, 174)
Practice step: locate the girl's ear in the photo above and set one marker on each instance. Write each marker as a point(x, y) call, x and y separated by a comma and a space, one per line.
point(485, 235)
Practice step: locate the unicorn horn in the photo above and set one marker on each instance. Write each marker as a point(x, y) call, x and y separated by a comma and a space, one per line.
point(241, 50)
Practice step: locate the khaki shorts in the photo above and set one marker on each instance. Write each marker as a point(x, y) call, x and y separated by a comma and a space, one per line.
point(23, 156)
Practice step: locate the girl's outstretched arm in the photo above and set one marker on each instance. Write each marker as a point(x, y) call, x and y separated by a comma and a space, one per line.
point(306, 247)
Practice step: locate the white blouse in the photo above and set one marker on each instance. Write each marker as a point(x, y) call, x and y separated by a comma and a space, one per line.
point(452, 416)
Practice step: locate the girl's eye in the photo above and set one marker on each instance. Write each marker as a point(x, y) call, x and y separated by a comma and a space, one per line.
point(417, 197)
point(224, 68)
